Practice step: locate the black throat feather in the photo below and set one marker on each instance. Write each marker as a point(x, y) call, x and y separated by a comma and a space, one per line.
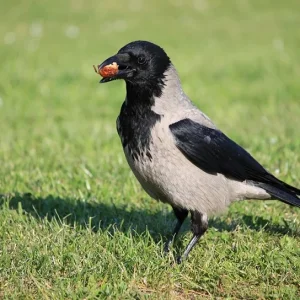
point(136, 118)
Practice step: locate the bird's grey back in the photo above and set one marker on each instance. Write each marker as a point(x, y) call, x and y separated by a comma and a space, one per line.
point(175, 104)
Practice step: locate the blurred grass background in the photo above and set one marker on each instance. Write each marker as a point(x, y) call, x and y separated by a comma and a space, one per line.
point(74, 223)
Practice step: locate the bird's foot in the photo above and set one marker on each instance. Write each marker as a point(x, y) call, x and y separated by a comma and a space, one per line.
point(179, 260)
point(167, 247)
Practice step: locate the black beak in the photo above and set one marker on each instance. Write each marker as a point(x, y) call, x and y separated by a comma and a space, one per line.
point(115, 67)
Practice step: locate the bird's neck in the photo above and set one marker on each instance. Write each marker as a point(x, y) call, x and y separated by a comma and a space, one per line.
point(143, 94)
point(164, 89)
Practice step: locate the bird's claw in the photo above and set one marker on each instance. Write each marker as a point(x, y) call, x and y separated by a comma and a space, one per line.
point(167, 247)
point(179, 260)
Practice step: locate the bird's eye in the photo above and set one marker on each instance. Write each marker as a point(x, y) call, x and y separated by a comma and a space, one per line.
point(141, 60)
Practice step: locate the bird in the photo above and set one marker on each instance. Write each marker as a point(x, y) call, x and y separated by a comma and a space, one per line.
point(175, 151)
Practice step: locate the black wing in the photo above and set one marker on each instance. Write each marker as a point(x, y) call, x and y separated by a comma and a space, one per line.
point(212, 151)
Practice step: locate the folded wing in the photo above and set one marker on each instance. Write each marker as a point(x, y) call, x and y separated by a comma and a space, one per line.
point(213, 152)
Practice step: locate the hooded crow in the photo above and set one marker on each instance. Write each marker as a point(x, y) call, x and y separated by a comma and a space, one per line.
point(175, 151)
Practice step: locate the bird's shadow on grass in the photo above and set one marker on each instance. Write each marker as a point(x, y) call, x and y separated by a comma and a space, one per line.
point(96, 215)
point(92, 214)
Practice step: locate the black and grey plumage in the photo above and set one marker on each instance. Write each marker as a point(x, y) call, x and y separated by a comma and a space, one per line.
point(175, 151)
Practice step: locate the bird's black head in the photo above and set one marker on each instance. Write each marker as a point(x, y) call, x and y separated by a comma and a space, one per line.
point(141, 64)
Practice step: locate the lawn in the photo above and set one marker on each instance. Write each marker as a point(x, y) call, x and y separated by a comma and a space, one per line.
point(74, 222)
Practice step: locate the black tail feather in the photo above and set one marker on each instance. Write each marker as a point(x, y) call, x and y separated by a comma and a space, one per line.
point(292, 188)
point(272, 180)
point(283, 192)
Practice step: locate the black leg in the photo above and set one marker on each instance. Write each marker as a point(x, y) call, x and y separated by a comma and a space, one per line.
point(199, 226)
point(181, 215)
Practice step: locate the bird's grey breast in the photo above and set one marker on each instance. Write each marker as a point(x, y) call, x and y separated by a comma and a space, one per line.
point(135, 126)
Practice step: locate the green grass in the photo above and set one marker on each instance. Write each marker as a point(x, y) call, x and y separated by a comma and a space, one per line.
point(74, 222)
